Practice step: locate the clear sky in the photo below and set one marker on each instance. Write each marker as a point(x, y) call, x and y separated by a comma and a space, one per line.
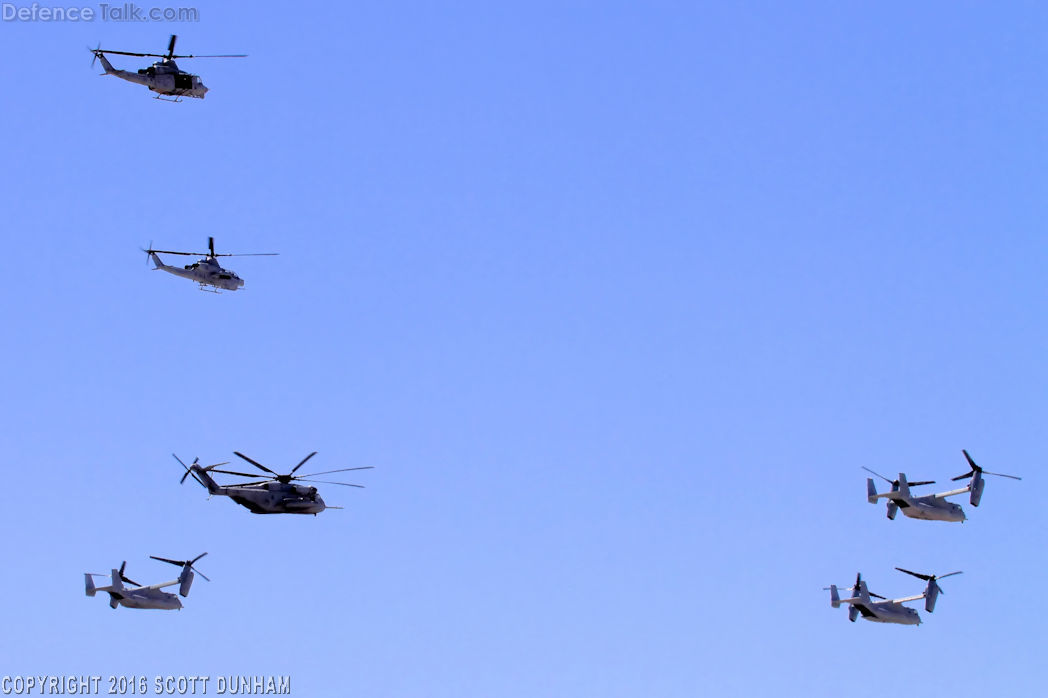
point(616, 297)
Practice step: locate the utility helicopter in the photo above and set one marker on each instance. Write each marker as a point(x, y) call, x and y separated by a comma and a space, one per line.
point(275, 495)
point(138, 596)
point(163, 77)
point(888, 610)
point(207, 271)
point(932, 507)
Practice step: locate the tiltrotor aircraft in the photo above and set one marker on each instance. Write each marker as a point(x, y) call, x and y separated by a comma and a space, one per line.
point(932, 507)
point(276, 495)
point(207, 271)
point(888, 610)
point(138, 596)
point(164, 76)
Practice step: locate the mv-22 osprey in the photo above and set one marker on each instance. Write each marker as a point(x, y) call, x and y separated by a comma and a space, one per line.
point(933, 507)
point(163, 77)
point(888, 610)
point(153, 596)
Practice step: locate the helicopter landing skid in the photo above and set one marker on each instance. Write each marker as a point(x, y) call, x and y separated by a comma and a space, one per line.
point(208, 289)
point(176, 100)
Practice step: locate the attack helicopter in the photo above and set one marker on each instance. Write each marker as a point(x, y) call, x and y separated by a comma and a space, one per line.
point(931, 507)
point(275, 495)
point(163, 77)
point(207, 272)
point(888, 610)
point(138, 596)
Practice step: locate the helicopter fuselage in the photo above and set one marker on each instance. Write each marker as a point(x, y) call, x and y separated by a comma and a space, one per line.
point(888, 612)
point(266, 497)
point(163, 77)
point(931, 508)
point(276, 498)
point(147, 598)
point(206, 272)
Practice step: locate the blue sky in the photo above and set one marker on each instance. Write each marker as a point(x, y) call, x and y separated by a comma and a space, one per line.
point(617, 299)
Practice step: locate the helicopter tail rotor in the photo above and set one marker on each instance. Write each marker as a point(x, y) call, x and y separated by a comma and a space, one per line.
point(200, 474)
point(99, 55)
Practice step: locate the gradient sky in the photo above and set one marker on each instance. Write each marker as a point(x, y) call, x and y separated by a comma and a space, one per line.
point(616, 297)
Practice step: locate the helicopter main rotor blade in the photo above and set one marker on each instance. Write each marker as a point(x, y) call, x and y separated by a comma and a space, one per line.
point(921, 482)
point(976, 469)
point(925, 577)
point(1014, 477)
point(302, 462)
point(186, 254)
point(944, 576)
point(120, 573)
point(171, 45)
point(192, 566)
point(212, 55)
point(327, 482)
point(340, 470)
point(233, 472)
point(247, 254)
point(255, 463)
point(130, 53)
point(171, 562)
point(878, 475)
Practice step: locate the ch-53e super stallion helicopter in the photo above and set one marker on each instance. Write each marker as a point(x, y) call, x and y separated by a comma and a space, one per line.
point(888, 610)
point(276, 495)
point(207, 271)
point(164, 76)
point(933, 507)
point(139, 596)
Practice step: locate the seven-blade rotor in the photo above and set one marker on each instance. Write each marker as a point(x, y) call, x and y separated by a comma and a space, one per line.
point(290, 477)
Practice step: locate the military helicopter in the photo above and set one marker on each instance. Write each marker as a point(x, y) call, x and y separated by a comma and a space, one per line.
point(207, 271)
point(932, 507)
point(139, 596)
point(276, 495)
point(888, 610)
point(164, 76)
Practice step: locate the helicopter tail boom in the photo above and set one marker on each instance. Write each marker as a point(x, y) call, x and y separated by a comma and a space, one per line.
point(106, 65)
point(204, 479)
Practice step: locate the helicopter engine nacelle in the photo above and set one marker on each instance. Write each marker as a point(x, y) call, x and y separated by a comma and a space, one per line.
point(977, 489)
point(186, 579)
point(893, 509)
point(931, 594)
